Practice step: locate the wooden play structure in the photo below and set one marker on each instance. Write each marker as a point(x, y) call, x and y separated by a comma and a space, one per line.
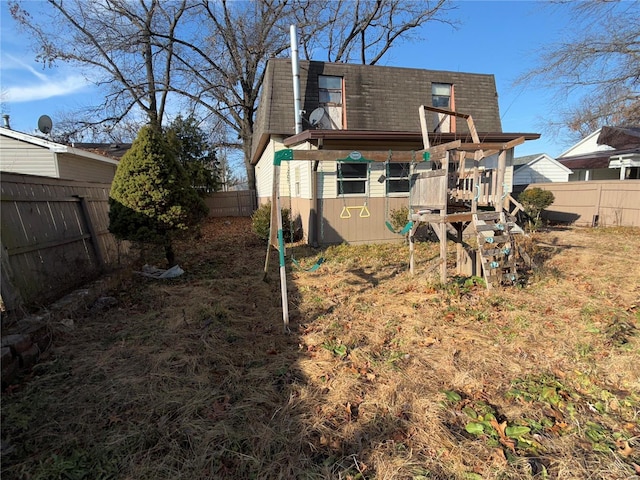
point(457, 193)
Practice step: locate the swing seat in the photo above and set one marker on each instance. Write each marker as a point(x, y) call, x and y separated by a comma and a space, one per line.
point(404, 230)
point(313, 267)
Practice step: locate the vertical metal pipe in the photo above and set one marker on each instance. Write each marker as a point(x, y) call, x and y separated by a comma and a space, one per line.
point(295, 69)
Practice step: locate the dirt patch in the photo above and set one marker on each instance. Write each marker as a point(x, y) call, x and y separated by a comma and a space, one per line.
point(384, 374)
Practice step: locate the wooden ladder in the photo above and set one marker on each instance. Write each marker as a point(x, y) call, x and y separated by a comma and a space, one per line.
point(496, 248)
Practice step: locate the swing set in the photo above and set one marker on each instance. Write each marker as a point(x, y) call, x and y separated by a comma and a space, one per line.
point(447, 200)
point(277, 234)
point(354, 157)
point(292, 229)
point(409, 225)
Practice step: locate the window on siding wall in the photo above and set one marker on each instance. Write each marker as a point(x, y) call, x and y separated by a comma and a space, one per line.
point(398, 177)
point(352, 178)
point(297, 178)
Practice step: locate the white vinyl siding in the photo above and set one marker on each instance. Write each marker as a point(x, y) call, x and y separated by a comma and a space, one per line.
point(298, 173)
point(541, 170)
point(22, 157)
point(264, 172)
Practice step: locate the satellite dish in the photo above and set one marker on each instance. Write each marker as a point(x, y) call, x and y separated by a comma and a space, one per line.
point(45, 124)
point(316, 116)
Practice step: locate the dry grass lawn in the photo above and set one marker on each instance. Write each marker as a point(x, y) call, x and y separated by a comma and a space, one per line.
point(383, 376)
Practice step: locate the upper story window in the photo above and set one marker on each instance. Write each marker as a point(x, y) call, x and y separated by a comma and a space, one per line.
point(352, 178)
point(331, 98)
point(442, 97)
point(330, 90)
point(398, 177)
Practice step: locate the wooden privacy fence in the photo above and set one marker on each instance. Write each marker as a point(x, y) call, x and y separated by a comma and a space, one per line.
point(54, 237)
point(240, 203)
point(603, 203)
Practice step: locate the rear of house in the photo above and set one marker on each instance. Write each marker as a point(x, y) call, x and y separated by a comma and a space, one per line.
point(360, 108)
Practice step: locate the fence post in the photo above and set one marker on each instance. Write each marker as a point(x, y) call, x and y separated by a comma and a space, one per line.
point(94, 237)
point(9, 294)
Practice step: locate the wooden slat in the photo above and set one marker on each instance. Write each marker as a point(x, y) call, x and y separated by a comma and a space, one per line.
point(46, 245)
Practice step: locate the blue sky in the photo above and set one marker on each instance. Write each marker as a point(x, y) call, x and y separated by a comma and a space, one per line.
point(499, 37)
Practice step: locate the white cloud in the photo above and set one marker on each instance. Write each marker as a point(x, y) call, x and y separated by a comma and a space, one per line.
point(17, 64)
point(47, 89)
point(22, 82)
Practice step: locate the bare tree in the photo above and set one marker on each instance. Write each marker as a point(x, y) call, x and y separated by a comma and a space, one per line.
point(212, 54)
point(227, 68)
point(599, 62)
point(111, 41)
point(365, 30)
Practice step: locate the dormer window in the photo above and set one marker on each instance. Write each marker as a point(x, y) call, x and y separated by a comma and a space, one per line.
point(442, 97)
point(331, 99)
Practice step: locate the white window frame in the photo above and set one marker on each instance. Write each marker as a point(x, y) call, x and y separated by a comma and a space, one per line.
point(361, 178)
point(440, 91)
point(404, 176)
point(330, 90)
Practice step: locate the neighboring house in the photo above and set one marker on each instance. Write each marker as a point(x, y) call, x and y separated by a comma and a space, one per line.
point(538, 168)
point(349, 107)
point(609, 153)
point(112, 150)
point(29, 154)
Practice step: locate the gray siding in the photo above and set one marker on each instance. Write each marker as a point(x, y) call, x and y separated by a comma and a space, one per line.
point(76, 168)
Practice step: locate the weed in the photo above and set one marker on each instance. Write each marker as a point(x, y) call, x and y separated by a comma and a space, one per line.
point(337, 349)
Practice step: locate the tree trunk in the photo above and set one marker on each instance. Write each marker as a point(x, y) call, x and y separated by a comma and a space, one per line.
point(246, 135)
point(169, 253)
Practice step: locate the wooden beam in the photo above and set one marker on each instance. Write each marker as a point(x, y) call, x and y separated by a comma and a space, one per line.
point(436, 151)
point(440, 150)
point(469, 147)
point(375, 155)
point(423, 128)
point(445, 111)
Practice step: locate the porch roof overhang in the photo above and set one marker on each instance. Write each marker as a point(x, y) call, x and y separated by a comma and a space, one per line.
point(338, 143)
point(334, 139)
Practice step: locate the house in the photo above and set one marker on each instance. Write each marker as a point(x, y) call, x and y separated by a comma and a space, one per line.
point(537, 168)
point(30, 154)
point(609, 153)
point(352, 113)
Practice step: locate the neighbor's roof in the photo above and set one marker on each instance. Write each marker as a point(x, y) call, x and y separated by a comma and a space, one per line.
point(620, 137)
point(622, 140)
point(113, 150)
point(54, 146)
point(596, 159)
point(377, 98)
point(520, 161)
